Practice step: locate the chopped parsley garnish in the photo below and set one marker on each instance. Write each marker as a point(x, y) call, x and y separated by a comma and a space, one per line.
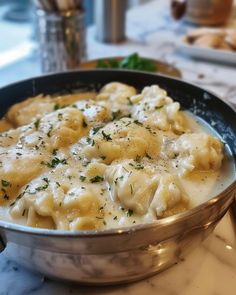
point(132, 61)
point(129, 101)
point(107, 137)
point(43, 187)
point(20, 196)
point(115, 218)
point(158, 107)
point(90, 141)
point(36, 124)
point(102, 207)
point(60, 116)
point(57, 106)
point(130, 212)
point(125, 169)
point(115, 115)
point(138, 158)
point(131, 189)
point(138, 123)
point(55, 161)
point(96, 178)
point(82, 178)
point(54, 152)
point(147, 155)
point(137, 166)
point(50, 130)
point(5, 183)
point(96, 129)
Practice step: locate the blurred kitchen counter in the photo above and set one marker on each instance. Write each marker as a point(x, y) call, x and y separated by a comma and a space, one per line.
point(210, 269)
point(152, 33)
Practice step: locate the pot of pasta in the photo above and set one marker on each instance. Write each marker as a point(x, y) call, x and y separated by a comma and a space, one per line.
point(109, 176)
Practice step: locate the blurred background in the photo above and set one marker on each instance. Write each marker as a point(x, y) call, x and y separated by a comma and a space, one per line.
point(17, 27)
point(109, 28)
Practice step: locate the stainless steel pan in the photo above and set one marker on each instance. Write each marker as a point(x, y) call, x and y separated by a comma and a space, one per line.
point(127, 254)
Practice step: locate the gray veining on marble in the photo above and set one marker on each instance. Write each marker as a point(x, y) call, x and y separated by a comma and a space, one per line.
point(210, 269)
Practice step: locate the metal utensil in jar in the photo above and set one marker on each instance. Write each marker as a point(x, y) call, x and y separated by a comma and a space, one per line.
point(62, 39)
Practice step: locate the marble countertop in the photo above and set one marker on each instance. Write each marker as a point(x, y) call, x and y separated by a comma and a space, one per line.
point(211, 268)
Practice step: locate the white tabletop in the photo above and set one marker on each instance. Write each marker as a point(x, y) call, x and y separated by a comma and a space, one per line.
point(211, 268)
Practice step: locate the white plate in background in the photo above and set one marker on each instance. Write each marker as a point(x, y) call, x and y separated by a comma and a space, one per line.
point(216, 55)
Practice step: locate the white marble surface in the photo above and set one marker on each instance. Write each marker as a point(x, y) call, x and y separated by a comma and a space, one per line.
point(211, 268)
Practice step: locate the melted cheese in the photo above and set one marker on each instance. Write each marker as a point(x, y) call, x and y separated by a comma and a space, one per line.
point(118, 158)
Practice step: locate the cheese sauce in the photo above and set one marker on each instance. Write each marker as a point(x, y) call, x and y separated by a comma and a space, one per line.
point(98, 161)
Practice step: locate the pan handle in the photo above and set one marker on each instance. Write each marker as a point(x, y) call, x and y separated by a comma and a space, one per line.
point(2, 245)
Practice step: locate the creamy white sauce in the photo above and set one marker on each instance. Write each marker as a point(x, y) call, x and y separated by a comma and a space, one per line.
point(82, 167)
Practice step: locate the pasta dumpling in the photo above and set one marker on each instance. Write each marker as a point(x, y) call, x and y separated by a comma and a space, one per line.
point(154, 108)
point(125, 138)
point(35, 107)
point(90, 162)
point(132, 185)
point(116, 92)
point(63, 127)
point(198, 151)
point(167, 196)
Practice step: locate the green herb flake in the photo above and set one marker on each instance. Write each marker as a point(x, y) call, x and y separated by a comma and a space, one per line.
point(54, 152)
point(129, 212)
point(131, 189)
point(82, 178)
point(138, 158)
point(56, 107)
point(158, 107)
point(107, 137)
point(36, 124)
point(129, 101)
point(96, 178)
point(96, 129)
point(43, 187)
point(50, 130)
point(60, 116)
point(147, 155)
point(138, 166)
point(90, 141)
point(138, 123)
point(115, 115)
point(55, 161)
point(5, 183)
